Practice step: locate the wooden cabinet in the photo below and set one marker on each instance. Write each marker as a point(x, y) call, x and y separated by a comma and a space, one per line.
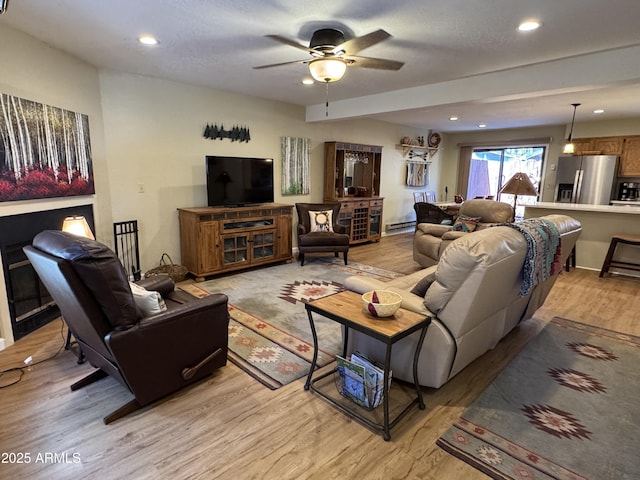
point(219, 239)
point(630, 159)
point(351, 169)
point(599, 146)
point(352, 177)
point(362, 217)
point(582, 145)
point(608, 145)
point(627, 147)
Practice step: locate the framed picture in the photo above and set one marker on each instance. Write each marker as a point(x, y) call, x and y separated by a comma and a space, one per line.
point(45, 151)
point(295, 165)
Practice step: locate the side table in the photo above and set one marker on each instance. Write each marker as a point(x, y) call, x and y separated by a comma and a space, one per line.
point(346, 309)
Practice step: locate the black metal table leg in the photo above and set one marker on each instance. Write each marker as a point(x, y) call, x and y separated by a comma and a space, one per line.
point(416, 356)
point(385, 391)
point(315, 350)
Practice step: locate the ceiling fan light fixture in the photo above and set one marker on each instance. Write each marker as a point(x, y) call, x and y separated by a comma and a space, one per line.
point(327, 70)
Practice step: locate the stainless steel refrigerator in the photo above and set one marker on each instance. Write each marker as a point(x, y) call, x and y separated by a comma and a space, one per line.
point(586, 179)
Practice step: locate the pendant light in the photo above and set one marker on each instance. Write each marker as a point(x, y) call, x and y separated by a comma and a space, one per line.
point(569, 147)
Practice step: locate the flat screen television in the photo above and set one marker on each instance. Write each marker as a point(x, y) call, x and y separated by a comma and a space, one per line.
point(239, 181)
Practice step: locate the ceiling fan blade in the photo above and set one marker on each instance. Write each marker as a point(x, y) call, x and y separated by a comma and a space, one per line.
point(357, 44)
point(292, 43)
point(281, 64)
point(370, 62)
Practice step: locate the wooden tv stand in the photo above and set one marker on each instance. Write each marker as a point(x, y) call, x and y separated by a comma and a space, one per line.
point(221, 239)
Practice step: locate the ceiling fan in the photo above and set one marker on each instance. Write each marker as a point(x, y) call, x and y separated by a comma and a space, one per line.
point(331, 54)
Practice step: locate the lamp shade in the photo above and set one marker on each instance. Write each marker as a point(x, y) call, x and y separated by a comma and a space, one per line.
point(327, 70)
point(78, 226)
point(569, 148)
point(519, 184)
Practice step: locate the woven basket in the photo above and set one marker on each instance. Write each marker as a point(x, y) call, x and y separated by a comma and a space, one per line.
point(177, 272)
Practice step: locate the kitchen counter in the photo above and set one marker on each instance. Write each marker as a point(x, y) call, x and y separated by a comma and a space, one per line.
point(599, 223)
point(626, 203)
point(579, 207)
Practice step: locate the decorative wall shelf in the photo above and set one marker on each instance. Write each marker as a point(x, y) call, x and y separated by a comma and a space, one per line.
point(412, 151)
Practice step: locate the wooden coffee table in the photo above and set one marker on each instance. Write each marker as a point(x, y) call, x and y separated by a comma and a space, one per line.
point(346, 308)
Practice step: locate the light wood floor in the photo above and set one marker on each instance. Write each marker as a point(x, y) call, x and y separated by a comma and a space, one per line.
point(231, 427)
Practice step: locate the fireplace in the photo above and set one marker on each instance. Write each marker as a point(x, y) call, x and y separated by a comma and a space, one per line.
point(30, 305)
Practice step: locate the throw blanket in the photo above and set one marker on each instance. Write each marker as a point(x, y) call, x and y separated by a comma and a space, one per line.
point(543, 251)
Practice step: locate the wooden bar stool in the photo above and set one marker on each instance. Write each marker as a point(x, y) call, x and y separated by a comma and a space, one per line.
point(624, 238)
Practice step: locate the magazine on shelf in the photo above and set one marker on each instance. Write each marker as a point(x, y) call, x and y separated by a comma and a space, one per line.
point(362, 380)
point(374, 377)
point(352, 380)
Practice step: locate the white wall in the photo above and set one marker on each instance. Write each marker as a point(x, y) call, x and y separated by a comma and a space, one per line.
point(153, 133)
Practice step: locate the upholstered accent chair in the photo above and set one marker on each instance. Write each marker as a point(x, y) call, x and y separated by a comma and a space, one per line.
point(319, 231)
point(430, 240)
point(150, 354)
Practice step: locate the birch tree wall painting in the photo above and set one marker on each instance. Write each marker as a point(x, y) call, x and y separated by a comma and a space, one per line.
point(44, 151)
point(295, 165)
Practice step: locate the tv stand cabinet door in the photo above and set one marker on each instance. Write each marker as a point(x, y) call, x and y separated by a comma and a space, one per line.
point(208, 248)
point(284, 246)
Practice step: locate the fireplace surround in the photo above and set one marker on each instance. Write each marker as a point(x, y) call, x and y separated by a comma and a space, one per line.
point(30, 305)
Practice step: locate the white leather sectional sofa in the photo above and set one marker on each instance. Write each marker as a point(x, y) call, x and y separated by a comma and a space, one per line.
point(474, 301)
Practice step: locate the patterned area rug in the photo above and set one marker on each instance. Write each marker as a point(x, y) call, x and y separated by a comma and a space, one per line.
point(269, 333)
point(567, 407)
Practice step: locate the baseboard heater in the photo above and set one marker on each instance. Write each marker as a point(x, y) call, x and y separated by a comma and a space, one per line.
point(395, 227)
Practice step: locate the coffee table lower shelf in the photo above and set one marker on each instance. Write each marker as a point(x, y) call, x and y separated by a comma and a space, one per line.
point(402, 399)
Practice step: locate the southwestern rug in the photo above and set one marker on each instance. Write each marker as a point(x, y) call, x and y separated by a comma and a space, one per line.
point(567, 407)
point(269, 333)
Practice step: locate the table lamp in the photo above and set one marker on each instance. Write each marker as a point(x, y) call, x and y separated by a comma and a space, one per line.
point(77, 225)
point(519, 184)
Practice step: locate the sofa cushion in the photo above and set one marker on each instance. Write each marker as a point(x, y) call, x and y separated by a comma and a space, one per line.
point(321, 221)
point(147, 302)
point(489, 211)
point(465, 223)
point(423, 285)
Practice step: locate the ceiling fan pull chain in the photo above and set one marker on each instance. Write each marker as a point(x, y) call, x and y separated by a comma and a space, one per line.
point(326, 104)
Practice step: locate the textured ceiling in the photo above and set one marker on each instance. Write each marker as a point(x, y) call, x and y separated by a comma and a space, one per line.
point(461, 58)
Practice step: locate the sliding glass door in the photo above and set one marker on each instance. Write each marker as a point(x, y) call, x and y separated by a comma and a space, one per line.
point(491, 168)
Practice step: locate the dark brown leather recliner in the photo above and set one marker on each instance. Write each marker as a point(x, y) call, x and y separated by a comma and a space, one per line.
point(310, 241)
point(152, 356)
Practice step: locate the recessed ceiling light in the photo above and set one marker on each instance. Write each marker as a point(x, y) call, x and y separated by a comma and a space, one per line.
point(529, 25)
point(307, 81)
point(598, 111)
point(453, 118)
point(147, 40)
point(482, 125)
